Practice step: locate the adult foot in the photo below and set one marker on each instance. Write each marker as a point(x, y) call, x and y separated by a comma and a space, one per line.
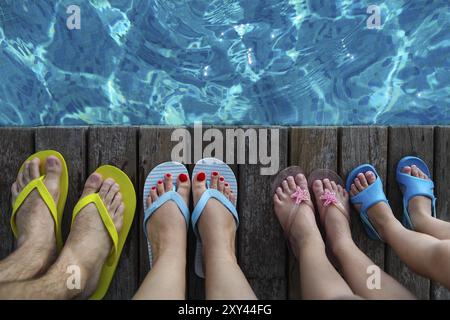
point(334, 216)
point(89, 243)
point(294, 210)
point(34, 221)
point(380, 214)
point(419, 207)
point(216, 226)
point(167, 227)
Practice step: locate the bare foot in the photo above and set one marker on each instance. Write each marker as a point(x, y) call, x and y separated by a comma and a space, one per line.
point(89, 243)
point(216, 225)
point(167, 226)
point(34, 221)
point(297, 220)
point(419, 207)
point(336, 221)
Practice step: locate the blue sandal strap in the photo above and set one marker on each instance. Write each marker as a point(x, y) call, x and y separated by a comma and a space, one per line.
point(168, 196)
point(208, 194)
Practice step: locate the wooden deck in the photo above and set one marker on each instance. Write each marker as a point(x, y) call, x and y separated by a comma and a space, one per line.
point(262, 252)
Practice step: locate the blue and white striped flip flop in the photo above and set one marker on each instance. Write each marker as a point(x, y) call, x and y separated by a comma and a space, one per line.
point(175, 169)
point(208, 165)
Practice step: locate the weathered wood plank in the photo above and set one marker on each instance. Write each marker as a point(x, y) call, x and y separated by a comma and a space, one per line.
point(71, 143)
point(262, 252)
point(403, 141)
point(442, 182)
point(118, 147)
point(310, 148)
point(16, 145)
point(364, 145)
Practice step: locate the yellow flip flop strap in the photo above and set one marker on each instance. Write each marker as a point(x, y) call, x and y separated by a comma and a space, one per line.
point(106, 218)
point(39, 185)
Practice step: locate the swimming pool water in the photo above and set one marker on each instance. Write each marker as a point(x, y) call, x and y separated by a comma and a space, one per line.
point(174, 62)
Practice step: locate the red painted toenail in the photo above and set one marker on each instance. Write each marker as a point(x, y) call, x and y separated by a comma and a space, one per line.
point(183, 177)
point(168, 175)
point(160, 182)
point(226, 184)
point(221, 178)
point(153, 188)
point(215, 173)
point(201, 176)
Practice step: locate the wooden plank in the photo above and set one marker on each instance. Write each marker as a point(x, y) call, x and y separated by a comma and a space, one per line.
point(310, 148)
point(16, 145)
point(442, 182)
point(71, 143)
point(360, 145)
point(404, 141)
point(118, 147)
point(262, 249)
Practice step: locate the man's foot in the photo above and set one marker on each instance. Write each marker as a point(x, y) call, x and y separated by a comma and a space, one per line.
point(297, 220)
point(216, 225)
point(380, 214)
point(335, 217)
point(419, 207)
point(167, 227)
point(89, 243)
point(34, 221)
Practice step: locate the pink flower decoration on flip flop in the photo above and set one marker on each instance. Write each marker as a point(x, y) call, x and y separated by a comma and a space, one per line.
point(329, 198)
point(300, 195)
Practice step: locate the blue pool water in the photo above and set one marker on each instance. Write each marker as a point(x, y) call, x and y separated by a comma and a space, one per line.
point(287, 62)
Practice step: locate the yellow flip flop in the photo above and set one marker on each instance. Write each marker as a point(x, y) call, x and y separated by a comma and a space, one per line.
point(118, 239)
point(56, 210)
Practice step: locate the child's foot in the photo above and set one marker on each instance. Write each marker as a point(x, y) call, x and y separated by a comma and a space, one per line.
point(216, 226)
point(419, 207)
point(335, 217)
point(380, 214)
point(167, 227)
point(294, 210)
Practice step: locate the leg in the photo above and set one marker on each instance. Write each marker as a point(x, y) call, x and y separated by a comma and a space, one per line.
point(87, 248)
point(318, 278)
point(217, 228)
point(168, 233)
point(351, 261)
point(420, 212)
point(424, 254)
point(36, 244)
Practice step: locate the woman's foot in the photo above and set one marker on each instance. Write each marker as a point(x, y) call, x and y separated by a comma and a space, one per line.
point(419, 207)
point(34, 221)
point(167, 227)
point(294, 210)
point(335, 217)
point(89, 243)
point(216, 226)
point(380, 214)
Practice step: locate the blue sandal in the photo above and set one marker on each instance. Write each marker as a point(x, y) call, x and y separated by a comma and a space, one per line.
point(208, 165)
point(175, 169)
point(413, 186)
point(372, 195)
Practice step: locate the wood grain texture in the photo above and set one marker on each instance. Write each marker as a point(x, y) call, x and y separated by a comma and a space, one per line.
point(442, 191)
point(310, 148)
point(405, 141)
point(16, 145)
point(71, 143)
point(360, 145)
point(262, 252)
point(117, 146)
